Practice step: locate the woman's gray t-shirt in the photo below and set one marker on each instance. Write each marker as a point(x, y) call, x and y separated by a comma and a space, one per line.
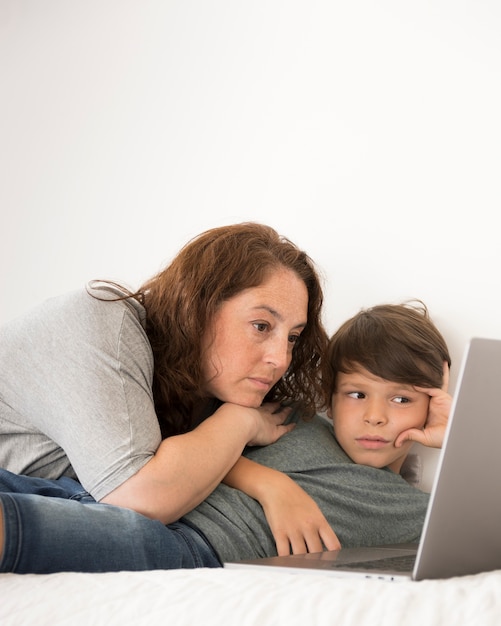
point(76, 391)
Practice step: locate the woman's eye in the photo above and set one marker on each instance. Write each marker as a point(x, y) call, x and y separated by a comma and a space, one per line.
point(293, 339)
point(261, 326)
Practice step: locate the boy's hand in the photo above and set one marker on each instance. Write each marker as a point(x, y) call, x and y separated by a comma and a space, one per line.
point(432, 435)
point(297, 523)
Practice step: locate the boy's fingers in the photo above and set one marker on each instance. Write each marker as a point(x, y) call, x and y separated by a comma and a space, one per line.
point(413, 434)
point(402, 438)
point(434, 391)
point(445, 383)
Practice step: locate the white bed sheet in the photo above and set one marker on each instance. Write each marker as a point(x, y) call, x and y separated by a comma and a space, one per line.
point(216, 597)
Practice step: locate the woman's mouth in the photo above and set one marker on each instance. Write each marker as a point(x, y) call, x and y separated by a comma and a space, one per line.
point(265, 384)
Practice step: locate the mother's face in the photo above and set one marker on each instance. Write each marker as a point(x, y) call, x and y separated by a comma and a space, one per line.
point(248, 346)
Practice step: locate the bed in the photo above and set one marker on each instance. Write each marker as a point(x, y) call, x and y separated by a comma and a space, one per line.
point(239, 597)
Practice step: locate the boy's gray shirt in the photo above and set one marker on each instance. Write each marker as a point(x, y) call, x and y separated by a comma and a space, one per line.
point(364, 505)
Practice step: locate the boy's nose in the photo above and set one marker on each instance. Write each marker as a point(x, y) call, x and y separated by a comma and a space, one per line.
point(374, 420)
point(375, 415)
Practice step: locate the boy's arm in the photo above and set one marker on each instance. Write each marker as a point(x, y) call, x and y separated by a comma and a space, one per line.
point(439, 408)
point(297, 523)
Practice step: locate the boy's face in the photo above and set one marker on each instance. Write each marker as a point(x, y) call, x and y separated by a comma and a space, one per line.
point(368, 414)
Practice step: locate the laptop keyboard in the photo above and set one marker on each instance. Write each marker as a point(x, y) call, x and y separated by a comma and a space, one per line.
point(402, 563)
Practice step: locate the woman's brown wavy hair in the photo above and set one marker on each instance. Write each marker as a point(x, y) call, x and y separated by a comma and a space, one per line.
point(181, 301)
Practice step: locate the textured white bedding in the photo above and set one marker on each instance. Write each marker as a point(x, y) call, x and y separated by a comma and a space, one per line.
point(215, 597)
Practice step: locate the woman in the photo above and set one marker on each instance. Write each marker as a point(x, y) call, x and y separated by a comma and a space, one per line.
point(149, 398)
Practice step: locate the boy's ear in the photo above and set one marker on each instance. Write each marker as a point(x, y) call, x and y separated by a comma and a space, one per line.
point(329, 408)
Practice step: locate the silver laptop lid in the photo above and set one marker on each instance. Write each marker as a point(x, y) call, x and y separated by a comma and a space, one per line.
point(462, 529)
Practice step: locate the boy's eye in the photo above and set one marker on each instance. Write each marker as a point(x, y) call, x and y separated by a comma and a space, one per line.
point(401, 400)
point(357, 395)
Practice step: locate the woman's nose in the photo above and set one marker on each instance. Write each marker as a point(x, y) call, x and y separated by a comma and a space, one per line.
point(279, 354)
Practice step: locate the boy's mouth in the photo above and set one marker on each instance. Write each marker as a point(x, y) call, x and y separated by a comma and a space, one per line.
point(371, 442)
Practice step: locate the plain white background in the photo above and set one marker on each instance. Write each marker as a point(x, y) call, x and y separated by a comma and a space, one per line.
point(367, 132)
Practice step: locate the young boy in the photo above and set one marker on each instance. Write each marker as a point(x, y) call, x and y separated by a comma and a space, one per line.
point(385, 379)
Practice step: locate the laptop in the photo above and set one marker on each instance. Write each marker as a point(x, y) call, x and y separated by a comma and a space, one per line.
point(462, 528)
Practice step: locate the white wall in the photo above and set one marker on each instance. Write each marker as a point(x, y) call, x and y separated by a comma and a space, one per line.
point(368, 132)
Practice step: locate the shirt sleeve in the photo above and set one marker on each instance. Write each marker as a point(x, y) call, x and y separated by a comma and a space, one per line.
point(86, 368)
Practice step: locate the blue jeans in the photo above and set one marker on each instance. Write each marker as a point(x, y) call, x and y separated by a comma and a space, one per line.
point(56, 526)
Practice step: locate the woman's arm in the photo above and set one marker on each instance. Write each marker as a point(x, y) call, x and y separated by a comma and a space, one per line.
point(187, 468)
point(297, 523)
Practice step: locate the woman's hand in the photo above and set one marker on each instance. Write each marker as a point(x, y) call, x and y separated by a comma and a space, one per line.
point(296, 521)
point(269, 422)
point(432, 435)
